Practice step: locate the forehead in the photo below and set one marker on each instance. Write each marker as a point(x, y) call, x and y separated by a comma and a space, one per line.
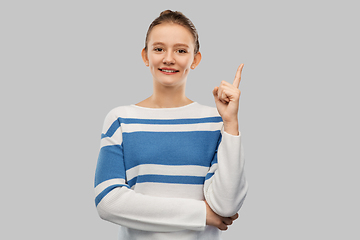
point(171, 33)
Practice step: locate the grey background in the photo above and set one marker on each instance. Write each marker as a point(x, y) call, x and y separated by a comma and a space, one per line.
point(65, 64)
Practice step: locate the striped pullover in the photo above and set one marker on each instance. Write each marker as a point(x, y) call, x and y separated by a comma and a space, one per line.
point(156, 167)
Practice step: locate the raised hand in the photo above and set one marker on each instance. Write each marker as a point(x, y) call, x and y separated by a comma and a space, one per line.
point(227, 97)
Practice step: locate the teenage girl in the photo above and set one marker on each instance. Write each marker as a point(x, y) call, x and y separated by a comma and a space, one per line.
point(168, 167)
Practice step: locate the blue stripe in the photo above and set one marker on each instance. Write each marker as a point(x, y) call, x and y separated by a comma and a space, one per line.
point(171, 121)
point(106, 191)
point(208, 176)
point(170, 148)
point(167, 179)
point(215, 155)
point(116, 124)
point(112, 129)
point(110, 164)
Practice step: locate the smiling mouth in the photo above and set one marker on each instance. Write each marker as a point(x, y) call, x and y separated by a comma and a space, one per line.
point(168, 70)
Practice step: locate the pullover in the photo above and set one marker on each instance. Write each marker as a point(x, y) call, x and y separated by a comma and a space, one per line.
point(156, 167)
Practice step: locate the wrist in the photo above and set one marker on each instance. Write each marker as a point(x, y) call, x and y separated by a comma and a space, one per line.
point(232, 127)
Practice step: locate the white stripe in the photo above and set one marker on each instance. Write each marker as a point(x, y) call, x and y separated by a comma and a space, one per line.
point(102, 186)
point(116, 139)
point(213, 168)
point(194, 111)
point(188, 170)
point(128, 128)
point(193, 191)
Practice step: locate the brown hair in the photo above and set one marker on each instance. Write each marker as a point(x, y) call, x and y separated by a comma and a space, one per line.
point(169, 16)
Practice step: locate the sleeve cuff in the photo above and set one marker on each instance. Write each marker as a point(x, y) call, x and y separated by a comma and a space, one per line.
point(223, 132)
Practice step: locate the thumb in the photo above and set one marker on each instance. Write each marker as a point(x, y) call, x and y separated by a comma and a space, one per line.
point(215, 93)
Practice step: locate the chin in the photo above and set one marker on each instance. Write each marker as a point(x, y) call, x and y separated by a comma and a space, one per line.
point(171, 82)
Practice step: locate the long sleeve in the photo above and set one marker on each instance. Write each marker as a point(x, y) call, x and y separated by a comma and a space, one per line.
point(118, 203)
point(225, 187)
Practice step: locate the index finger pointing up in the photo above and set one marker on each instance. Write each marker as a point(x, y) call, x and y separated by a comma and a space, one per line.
point(237, 79)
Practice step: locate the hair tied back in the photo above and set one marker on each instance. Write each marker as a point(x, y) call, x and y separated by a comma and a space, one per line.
point(166, 12)
point(168, 16)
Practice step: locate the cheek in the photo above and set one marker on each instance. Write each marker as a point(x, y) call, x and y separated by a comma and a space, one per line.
point(186, 64)
point(154, 59)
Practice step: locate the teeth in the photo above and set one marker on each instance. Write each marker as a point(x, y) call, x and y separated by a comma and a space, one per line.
point(168, 71)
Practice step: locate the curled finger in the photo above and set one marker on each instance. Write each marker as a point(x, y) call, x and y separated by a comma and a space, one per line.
point(222, 95)
point(235, 216)
point(227, 221)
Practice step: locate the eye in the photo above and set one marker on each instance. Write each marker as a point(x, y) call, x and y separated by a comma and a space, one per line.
point(181, 51)
point(158, 49)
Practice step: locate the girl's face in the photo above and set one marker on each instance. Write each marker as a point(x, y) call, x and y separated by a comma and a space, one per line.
point(170, 54)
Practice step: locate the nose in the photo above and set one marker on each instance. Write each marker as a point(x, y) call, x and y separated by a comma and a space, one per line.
point(168, 58)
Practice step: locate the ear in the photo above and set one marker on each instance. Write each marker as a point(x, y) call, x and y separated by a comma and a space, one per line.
point(145, 57)
point(196, 61)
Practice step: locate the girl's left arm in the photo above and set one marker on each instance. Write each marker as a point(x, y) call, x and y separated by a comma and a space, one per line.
point(226, 186)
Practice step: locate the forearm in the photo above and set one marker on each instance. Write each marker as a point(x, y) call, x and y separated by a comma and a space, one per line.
point(225, 191)
point(125, 207)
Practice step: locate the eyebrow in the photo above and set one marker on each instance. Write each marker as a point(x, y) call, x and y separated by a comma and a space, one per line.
point(176, 45)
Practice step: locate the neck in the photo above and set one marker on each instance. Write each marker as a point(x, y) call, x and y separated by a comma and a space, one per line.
point(166, 97)
point(156, 101)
